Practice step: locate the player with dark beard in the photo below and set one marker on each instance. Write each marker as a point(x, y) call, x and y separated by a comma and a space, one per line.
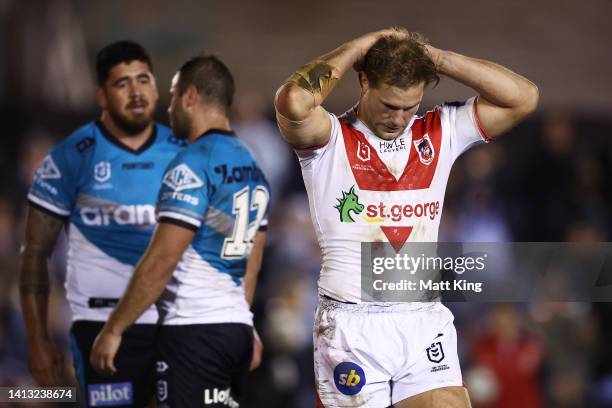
point(101, 184)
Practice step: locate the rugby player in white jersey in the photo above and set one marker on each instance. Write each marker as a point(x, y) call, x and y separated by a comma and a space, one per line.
point(378, 173)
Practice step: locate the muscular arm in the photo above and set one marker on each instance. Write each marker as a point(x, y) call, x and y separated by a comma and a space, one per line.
point(147, 283)
point(254, 266)
point(150, 276)
point(301, 119)
point(41, 232)
point(250, 282)
point(506, 98)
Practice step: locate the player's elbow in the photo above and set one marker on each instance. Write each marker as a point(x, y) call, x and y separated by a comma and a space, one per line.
point(293, 102)
point(530, 100)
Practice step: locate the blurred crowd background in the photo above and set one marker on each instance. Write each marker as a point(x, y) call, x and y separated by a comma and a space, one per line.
point(547, 180)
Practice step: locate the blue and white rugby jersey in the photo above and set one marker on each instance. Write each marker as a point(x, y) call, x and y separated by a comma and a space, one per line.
point(216, 188)
point(107, 193)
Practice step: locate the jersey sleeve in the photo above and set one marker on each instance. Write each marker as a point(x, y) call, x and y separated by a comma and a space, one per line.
point(310, 155)
point(55, 184)
point(183, 196)
point(466, 130)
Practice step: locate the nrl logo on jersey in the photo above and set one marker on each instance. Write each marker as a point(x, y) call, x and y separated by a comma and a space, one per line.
point(425, 149)
point(182, 178)
point(102, 171)
point(48, 169)
point(363, 151)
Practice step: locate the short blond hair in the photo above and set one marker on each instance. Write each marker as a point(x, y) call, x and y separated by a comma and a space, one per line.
point(399, 60)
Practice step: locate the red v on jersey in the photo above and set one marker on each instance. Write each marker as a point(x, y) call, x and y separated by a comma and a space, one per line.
point(372, 174)
point(397, 236)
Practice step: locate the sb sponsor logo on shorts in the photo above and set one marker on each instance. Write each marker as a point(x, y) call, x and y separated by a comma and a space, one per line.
point(349, 378)
point(110, 395)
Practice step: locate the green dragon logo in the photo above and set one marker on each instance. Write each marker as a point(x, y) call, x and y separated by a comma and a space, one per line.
point(349, 202)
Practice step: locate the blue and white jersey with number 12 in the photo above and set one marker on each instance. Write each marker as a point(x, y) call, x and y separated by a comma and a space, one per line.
point(215, 188)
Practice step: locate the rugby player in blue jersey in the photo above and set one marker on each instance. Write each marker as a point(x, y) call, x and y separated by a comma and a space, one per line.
point(202, 263)
point(100, 184)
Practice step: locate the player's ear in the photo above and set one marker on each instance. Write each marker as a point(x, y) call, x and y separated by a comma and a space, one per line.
point(363, 81)
point(155, 90)
point(101, 98)
point(192, 95)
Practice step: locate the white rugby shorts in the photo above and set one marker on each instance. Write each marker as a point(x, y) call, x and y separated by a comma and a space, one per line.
point(375, 355)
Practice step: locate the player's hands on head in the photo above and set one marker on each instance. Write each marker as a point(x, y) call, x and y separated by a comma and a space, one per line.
point(395, 31)
point(435, 54)
point(103, 352)
point(257, 350)
point(375, 36)
point(46, 363)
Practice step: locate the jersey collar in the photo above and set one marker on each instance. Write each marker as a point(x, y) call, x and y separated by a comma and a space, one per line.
point(216, 131)
point(114, 140)
point(351, 117)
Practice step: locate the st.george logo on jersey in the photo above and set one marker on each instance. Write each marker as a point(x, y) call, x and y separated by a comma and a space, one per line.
point(347, 204)
point(425, 149)
point(182, 178)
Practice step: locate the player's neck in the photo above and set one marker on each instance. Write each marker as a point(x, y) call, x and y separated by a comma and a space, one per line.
point(133, 141)
point(211, 119)
point(362, 115)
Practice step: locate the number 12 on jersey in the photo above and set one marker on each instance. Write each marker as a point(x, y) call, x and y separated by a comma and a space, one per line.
point(240, 243)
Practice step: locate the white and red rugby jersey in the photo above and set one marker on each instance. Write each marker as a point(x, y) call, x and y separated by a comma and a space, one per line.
point(362, 188)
